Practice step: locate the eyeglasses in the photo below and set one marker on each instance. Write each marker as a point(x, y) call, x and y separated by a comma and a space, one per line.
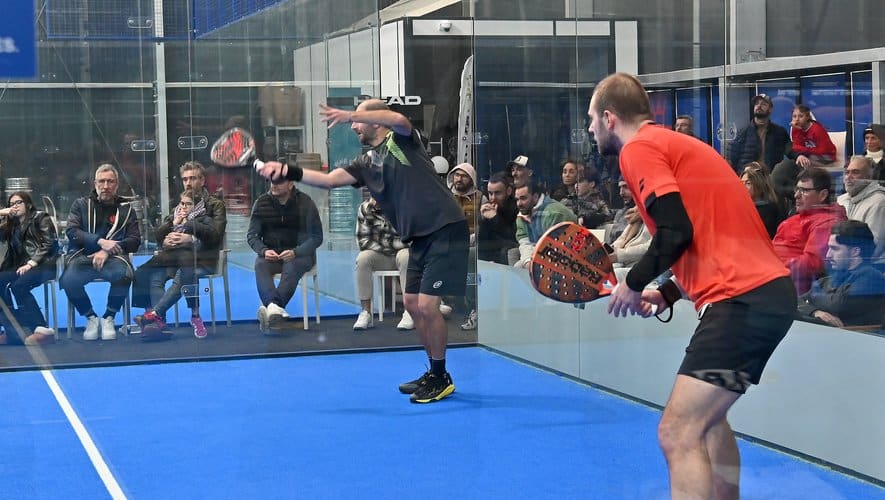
point(803, 191)
point(16, 203)
point(186, 203)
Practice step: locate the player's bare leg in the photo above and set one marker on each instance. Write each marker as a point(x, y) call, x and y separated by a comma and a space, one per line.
point(694, 408)
point(726, 461)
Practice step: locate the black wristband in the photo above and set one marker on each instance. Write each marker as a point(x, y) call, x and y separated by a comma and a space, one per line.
point(670, 291)
point(295, 173)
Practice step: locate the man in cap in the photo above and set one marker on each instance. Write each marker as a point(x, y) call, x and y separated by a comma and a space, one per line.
point(873, 136)
point(761, 140)
point(519, 168)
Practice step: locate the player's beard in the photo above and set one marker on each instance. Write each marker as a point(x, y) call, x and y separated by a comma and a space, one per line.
point(609, 144)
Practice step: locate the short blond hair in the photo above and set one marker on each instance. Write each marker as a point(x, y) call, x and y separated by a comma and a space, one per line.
point(624, 96)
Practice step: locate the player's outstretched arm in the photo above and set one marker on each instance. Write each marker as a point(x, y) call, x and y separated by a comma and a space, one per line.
point(333, 179)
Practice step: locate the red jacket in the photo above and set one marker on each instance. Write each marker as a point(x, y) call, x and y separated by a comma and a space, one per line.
point(801, 242)
point(814, 141)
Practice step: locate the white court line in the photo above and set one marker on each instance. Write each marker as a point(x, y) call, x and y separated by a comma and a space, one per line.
point(98, 462)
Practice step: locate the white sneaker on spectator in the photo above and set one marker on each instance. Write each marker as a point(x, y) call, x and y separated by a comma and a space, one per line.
point(406, 323)
point(262, 318)
point(445, 309)
point(91, 332)
point(108, 331)
point(275, 313)
point(363, 321)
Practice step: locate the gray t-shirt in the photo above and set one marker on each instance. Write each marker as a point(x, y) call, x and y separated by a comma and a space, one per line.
point(401, 178)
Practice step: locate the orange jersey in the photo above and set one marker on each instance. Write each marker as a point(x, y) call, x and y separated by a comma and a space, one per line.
point(731, 252)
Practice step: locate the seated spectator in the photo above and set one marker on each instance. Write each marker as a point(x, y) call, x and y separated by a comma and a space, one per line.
point(587, 203)
point(684, 124)
point(872, 140)
point(632, 244)
point(570, 175)
point(285, 231)
point(381, 249)
point(758, 183)
point(180, 240)
point(28, 253)
point(101, 232)
point(619, 221)
point(496, 233)
point(811, 146)
point(761, 141)
point(537, 213)
point(853, 293)
point(801, 240)
point(462, 181)
point(520, 171)
point(864, 200)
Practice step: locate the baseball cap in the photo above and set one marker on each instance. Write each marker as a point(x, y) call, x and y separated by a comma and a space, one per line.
point(520, 161)
point(867, 131)
point(764, 97)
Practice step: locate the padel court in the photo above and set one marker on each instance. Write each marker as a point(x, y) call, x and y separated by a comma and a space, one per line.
point(335, 426)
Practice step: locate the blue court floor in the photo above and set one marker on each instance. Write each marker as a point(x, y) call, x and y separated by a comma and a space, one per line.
point(334, 426)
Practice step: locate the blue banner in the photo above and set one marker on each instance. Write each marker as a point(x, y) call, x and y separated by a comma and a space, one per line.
point(18, 43)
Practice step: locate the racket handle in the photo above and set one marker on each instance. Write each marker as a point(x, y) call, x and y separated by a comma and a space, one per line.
point(258, 164)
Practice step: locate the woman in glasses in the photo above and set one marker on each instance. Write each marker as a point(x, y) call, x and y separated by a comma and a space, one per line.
point(179, 240)
point(28, 252)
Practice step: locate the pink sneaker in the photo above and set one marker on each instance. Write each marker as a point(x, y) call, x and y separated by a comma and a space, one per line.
point(199, 327)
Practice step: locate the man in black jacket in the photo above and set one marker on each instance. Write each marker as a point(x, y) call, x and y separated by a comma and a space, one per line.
point(285, 231)
point(761, 140)
point(496, 234)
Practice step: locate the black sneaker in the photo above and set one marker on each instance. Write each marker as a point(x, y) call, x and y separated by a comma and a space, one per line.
point(412, 386)
point(434, 389)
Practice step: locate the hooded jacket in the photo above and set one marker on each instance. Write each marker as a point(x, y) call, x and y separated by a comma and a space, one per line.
point(869, 206)
point(91, 220)
point(801, 242)
point(469, 201)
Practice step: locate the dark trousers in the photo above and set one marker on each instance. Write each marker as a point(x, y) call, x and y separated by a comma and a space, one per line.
point(149, 288)
point(28, 314)
point(79, 271)
point(291, 272)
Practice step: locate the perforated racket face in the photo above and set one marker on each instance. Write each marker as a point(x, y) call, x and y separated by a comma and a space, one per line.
point(570, 265)
point(235, 148)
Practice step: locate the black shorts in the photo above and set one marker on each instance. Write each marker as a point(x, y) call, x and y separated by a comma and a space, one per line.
point(438, 261)
point(736, 337)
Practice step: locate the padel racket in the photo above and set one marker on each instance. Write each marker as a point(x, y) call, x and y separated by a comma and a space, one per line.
point(570, 265)
point(235, 148)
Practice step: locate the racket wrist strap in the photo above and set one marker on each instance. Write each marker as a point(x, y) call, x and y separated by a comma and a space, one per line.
point(671, 292)
point(295, 173)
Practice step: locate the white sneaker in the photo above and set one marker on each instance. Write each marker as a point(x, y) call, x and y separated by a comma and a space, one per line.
point(275, 313)
point(262, 318)
point(91, 332)
point(444, 309)
point(363, 321)
point(406, 323)
point(108, 331)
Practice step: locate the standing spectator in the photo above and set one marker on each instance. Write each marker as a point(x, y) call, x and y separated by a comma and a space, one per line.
point(873, 138)
point(381, 249)
point(853, 293)
point(285, 231)
point(684, 125)
point(28, 254)
point(758, 183)
point(101, 232)
point(761, 141)
point(864, 200)
point(537, 214)
point(496, 234)
point(801, 240)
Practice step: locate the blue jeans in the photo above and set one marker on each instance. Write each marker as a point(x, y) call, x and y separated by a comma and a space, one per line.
point(79, 271)
point(291, 272)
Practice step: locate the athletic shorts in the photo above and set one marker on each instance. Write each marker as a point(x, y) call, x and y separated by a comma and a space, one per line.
point(438, 261)
point(736, 337)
